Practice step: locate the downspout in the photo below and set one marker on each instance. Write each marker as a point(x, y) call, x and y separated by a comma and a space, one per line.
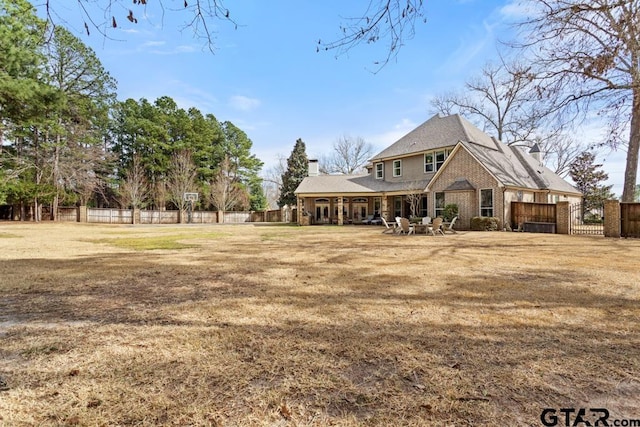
point(504, 210)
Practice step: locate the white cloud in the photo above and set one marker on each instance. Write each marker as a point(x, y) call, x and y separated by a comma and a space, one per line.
point(515, 10)
point(382, 140)
point(472, 46)
point(153, 43)
point(244, 103)
point(174, 50)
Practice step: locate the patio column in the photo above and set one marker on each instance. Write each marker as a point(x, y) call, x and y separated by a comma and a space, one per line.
point(385, 208)
point(340, 207)
point(300, 211)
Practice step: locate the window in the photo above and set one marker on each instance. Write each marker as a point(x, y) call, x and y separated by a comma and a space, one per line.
point(428, 162)
point(377, 203)
point(423, 207)
point(439, 204)
point(441, 156)
point(397, 168)
point(379, 170)
point(486, 202)
point(434, 160)
point(397, 206)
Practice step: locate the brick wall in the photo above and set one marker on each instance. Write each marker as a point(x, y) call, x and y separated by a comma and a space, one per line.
point(463, 165)
point(563, 218)
point(612, 218)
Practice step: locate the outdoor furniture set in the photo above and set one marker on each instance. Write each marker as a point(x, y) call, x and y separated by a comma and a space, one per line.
point(403, 226)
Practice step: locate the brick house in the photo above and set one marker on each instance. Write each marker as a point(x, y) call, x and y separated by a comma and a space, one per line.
point(445, 160)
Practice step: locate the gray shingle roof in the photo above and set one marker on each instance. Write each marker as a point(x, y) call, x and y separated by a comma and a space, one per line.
point(511, 166)
point(355, 184)
point(437, 132)
point(460, 185)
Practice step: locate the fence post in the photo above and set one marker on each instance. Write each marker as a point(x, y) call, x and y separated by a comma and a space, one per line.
point(562, 218)
point(82, 214)
point(611, 218)
point(135, 216)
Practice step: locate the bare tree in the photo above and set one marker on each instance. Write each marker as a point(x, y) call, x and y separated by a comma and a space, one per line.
point(349, 156)
point(414, 198)
point(78, 169)
point(272, 181)
point(386, 21)
point(587, 56)
point(182, 178)
point(383, 21)
point(160, 194)
point(503, 101)
point(559, 151)
point(134, 188)
point(225, 192)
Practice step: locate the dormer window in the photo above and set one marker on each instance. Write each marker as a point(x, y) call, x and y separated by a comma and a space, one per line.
point(397, 168)
point(379, 170)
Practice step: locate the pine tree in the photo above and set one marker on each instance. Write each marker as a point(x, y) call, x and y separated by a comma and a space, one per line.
point(297, 170)
point(588, 179)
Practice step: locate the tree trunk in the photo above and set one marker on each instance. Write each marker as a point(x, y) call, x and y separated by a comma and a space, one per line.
point(631, 171)
point(56, 175)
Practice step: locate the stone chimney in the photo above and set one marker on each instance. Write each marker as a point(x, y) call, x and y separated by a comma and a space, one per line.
point(313, 167)
point(536, 153)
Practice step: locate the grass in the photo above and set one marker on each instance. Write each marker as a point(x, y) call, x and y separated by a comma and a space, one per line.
point(166, 241)
point(312, 326)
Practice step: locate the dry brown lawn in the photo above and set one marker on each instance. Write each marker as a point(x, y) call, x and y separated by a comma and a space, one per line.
point(254, 325)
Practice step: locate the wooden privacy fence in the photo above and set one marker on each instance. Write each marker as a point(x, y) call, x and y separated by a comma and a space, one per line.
point(67, 214)
point(126, 216)
point(536, 216)
point(237, 217)
point(159, 217)
point(630, 219)
point(110, 216)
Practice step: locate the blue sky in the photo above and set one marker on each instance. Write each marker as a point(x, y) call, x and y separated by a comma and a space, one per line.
point(267, 78)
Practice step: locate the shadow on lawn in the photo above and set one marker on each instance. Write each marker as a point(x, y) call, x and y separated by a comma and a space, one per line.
point(459, 352)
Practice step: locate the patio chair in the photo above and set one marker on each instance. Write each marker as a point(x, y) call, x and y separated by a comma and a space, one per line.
point(398, 226)
point(449, 227)
point(426, 220)
point(406, 227)
point(435, 227)
point(387, 228)
point(368, 220)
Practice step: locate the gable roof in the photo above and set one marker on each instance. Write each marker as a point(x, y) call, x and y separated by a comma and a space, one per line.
point(437, 132)
point(511, 166)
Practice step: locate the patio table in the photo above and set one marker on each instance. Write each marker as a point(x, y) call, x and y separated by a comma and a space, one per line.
point(420, 228)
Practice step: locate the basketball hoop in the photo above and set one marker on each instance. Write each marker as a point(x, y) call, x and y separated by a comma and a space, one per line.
point(190, 197)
